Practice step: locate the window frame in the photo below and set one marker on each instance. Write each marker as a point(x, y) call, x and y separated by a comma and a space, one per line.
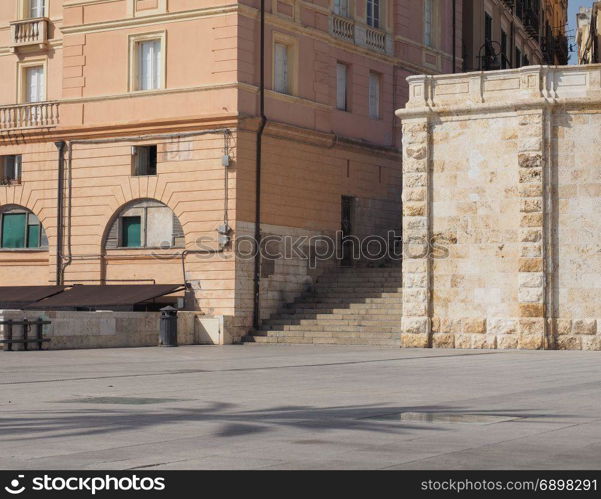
point(135, 171)
point(134, 60)
point(347, 103)
point(22, 68)
point(378, 111)
point(17, 167)
point(339, 11)
point(142, 225)
point(42, 238)
point(24, 10)
point(292, 56)
point(371, 8)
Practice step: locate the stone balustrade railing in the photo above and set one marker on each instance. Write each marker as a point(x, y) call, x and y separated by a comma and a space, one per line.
point(513, 87)
point(375, 39)
point(343, 27)
point(29, 32)
point(34, 115)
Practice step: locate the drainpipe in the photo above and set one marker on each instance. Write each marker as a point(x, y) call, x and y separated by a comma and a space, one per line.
point(257, 270)
point(60, 146)
point(454, 36)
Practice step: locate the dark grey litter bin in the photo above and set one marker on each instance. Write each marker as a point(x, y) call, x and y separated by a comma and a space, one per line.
point(168, 334)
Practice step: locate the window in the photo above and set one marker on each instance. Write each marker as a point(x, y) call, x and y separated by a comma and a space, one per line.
point(503, 50)
point(374, 95)
point(428, 23)
point(144, 160)
point(131, 232)
point(149, 65)
point(341, 8)
point(487, 27)
point(373, 13)
point(34, 84)
point(36, 8)
point(21, 229)
point(10, 170)
point(145, 224)
point(341, 86)
point(280, 68)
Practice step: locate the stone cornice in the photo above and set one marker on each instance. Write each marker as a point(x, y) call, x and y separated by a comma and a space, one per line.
point(531, 87)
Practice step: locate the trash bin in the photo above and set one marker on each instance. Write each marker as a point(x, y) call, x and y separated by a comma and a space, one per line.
point(168, 333)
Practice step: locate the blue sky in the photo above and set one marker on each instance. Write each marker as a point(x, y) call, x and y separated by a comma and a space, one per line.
point(574, 5)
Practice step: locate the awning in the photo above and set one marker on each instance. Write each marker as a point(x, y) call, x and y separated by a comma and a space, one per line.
point(21, 296)
point(95, 296)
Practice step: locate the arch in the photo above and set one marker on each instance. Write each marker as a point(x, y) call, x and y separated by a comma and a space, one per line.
point(143, 223)
point(21, 229)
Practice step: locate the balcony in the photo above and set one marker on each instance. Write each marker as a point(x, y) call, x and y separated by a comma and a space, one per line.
point(343, 27)
point(29, 32)
point(375, 39)
point(34, 115)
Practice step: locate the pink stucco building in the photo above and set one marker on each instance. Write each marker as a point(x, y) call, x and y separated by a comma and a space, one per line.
point(129, 132)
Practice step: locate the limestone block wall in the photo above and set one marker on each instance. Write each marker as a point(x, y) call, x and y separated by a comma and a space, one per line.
point(501, 196)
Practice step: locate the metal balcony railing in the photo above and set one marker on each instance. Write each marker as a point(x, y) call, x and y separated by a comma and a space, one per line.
point(343, 27)
point(375, 39)
point(29, 32)
point(34, 115)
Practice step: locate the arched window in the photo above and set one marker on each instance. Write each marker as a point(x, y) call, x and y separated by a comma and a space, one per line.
point(145, 223)
point(21, 229)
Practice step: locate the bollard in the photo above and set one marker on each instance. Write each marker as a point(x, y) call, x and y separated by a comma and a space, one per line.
point(168, 333)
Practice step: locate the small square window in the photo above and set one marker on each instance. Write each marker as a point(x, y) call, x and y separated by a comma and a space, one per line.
point(144, 160)
point(10, 169)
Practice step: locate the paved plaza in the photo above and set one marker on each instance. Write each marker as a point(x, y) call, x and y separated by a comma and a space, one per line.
point(299, 407)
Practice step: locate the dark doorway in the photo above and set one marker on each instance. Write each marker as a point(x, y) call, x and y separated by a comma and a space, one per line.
point(346, 228)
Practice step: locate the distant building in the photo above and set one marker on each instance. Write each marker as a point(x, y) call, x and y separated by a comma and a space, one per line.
point(503, 34)
point(588, 37)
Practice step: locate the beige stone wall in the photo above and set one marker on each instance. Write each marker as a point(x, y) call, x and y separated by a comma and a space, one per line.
point(501, 171)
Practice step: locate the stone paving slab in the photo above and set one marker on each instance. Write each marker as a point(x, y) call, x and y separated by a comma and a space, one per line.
point(299, 407)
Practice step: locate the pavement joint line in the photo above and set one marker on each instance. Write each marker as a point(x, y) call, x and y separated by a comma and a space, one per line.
point(262, 368)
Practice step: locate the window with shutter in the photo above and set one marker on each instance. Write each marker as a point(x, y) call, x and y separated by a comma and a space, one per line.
point(149, 65)
point(21, 229)
point(145, 160)
point(34, 83)
point(341, 86)
point(10, 169)
point(281, 68)
point(374, 95)
point(341, 8)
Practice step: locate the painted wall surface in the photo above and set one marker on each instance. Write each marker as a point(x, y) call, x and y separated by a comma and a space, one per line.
point(516, 213)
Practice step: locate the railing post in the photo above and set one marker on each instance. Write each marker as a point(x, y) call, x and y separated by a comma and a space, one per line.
point(25, 333)
point(39, 332)
point(8, 335)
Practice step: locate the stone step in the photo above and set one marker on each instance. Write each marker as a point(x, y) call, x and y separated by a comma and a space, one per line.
point(326, 340)
point(349, 309)
point(329, 318)
point(392, 328)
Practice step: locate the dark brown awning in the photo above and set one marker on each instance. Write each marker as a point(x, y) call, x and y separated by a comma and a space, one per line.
point(95, 296)
point(21, 296)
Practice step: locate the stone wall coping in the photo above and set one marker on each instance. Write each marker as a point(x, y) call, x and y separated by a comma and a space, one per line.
point(530, 87)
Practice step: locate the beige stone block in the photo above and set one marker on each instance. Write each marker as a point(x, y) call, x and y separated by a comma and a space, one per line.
point(531, 342)
point(417, 326)
point(591, 343)
point(531, 235)
point(463, 341)
point(530, 120)
point(531, 265)
point(443, 340)
point(530, 190)
point(415, 280)
point(531, 326)
point(484, 342)
point(409, 340)
point(531, 251)
point(530, 144)
point(564, 326)
point(531, 280)
point(450, 326)
point(414, 194)
point(502, 326)
point(435, 325)
point(584, 326)
point(529, 160)
point(530, 295)
point(415, 265)
point(415, 309)
point(532, 220)
point(569, 342)
point(414, 209)
point(507, 342)
point(416, 151)
point(531, 205)
point(532, 310)
point(415, 180)
point(474, 326)
point(530, 175)
point(415, 295)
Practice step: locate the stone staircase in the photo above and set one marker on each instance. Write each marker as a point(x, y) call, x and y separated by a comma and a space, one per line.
point(349, 306)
